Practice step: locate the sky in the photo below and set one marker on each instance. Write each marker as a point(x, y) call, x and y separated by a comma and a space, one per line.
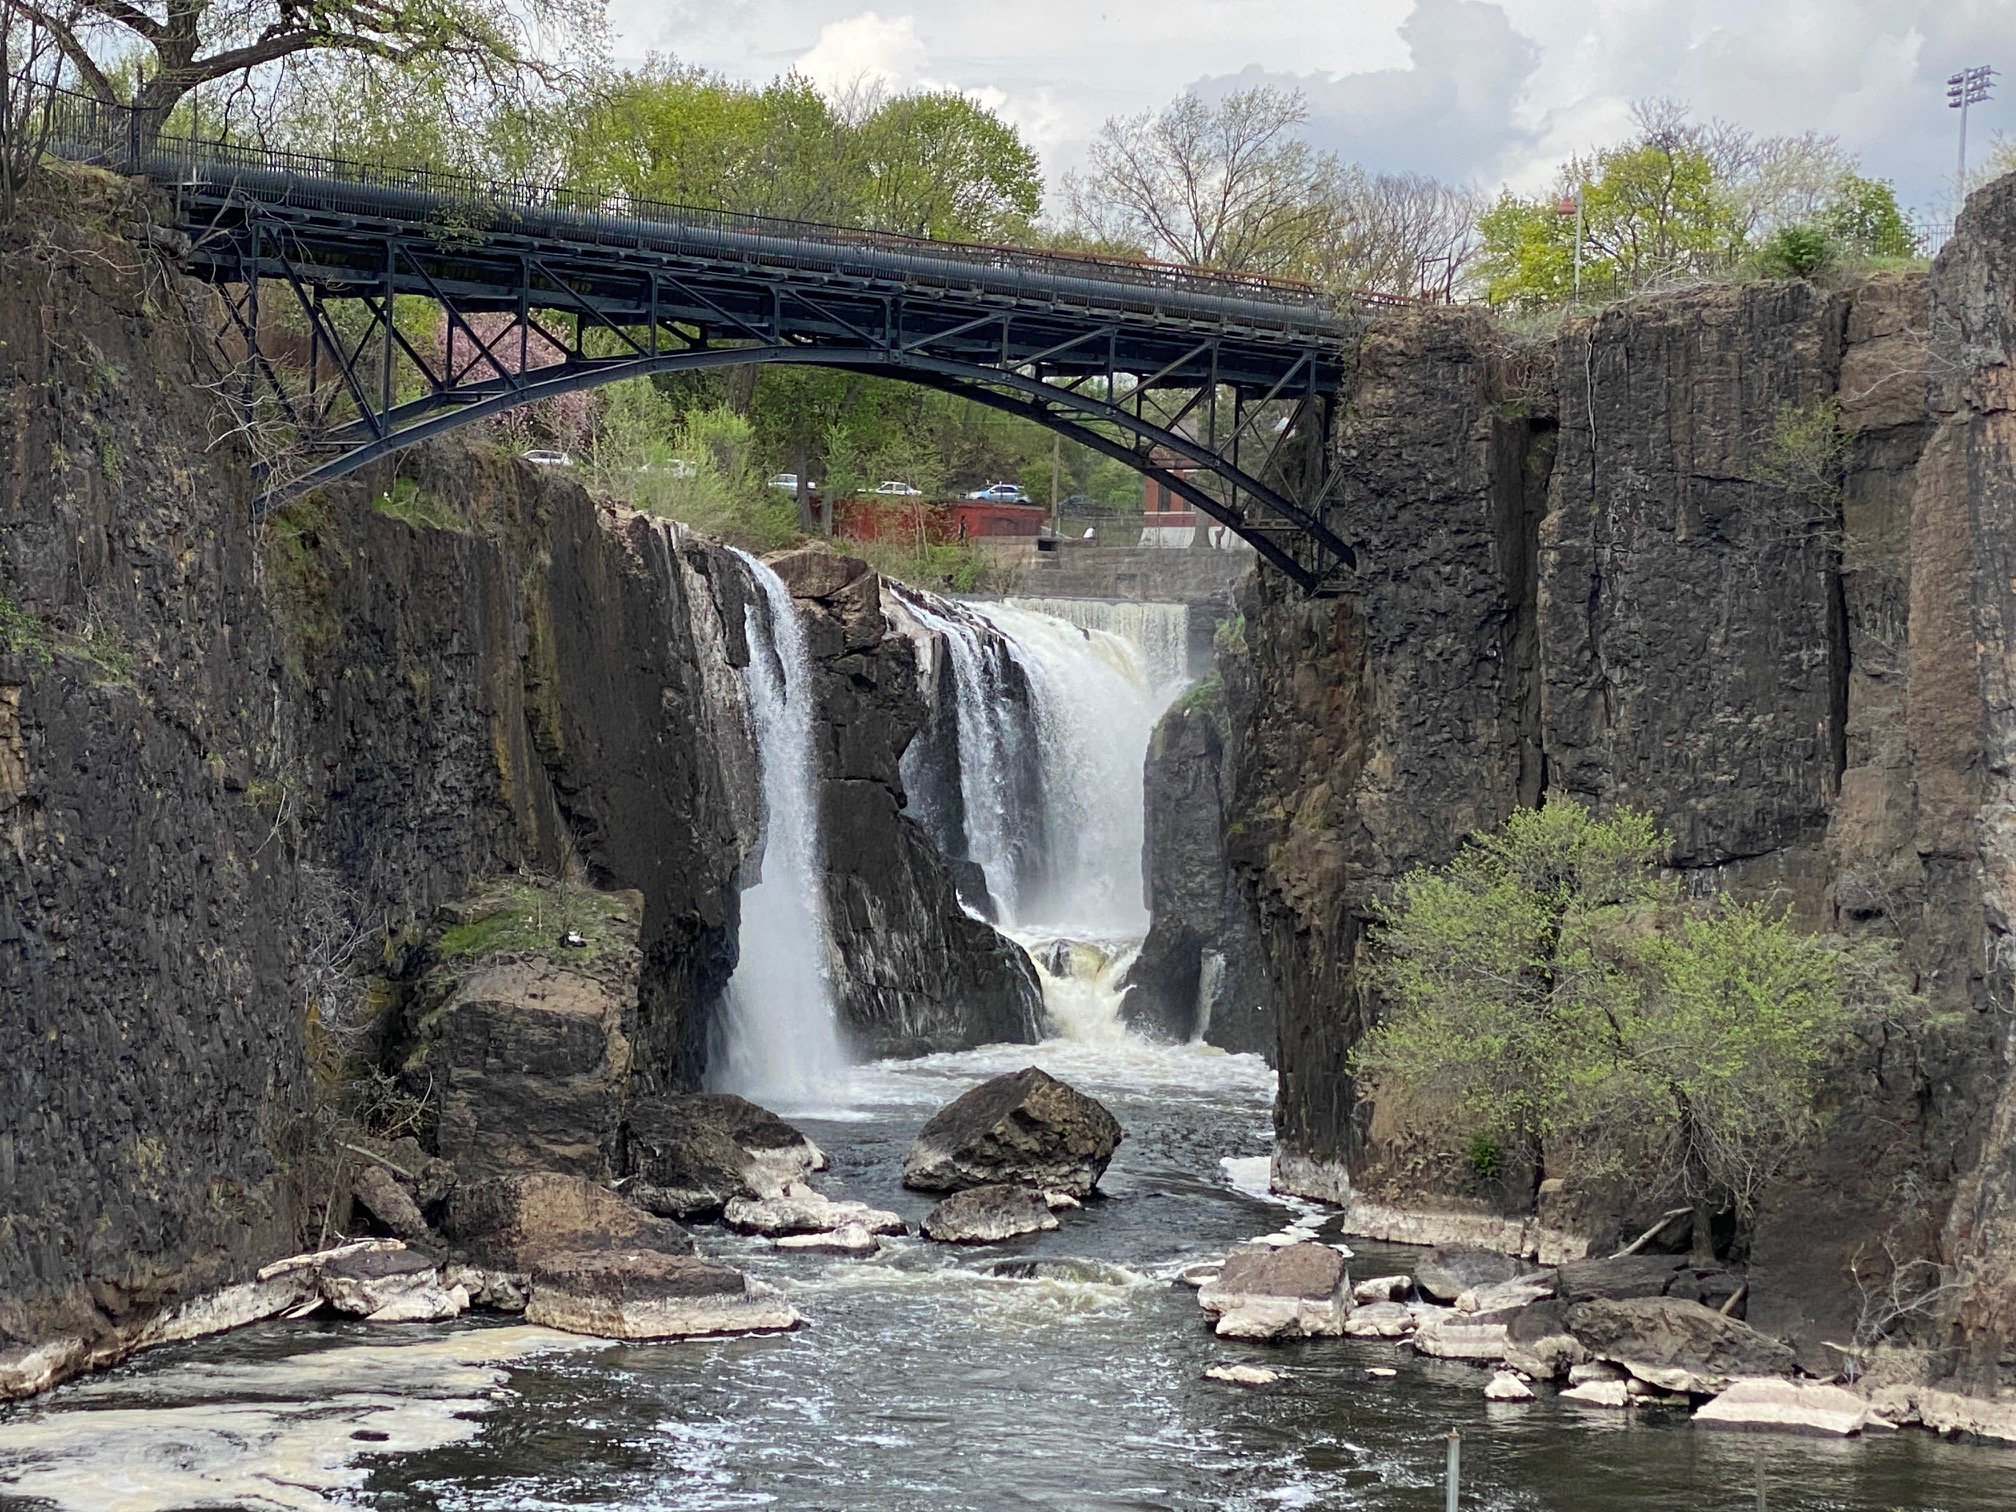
point(1490, 92)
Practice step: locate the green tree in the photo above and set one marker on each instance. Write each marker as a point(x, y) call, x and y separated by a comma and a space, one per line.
point(184, 44)
point(938, 165)
point(1864, 218)
point(1548, 994)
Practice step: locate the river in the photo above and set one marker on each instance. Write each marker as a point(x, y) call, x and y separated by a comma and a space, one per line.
point(1061, 1371)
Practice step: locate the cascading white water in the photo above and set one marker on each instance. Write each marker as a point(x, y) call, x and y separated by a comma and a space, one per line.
point(778, 1040)
point(1094, 711)
point(1160, 631)
point(989, 739)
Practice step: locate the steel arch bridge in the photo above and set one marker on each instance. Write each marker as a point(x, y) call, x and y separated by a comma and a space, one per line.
point(1220, 387)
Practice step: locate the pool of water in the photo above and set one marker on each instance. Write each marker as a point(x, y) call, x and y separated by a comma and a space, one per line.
point(1061, 1371)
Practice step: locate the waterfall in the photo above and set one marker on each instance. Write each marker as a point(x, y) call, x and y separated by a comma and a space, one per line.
point(1093, 710)
point(1031, 775)
point(778, 1041)
point(1160, 631)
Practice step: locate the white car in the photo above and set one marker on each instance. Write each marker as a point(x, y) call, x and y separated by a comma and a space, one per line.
point(548, 458)
point(789, 482)
point(893, 486)
point(678, 467)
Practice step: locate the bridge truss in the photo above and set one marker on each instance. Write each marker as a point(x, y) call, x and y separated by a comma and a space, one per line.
point(1219, 387)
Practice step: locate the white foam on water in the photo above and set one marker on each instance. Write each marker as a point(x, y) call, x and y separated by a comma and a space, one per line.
point(271, 1434)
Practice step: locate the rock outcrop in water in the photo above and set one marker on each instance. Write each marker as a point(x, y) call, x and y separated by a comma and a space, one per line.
point(1590, 568)
point(1023, 1129)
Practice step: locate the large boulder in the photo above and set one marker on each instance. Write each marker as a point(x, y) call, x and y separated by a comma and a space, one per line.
point(1675, 1344)
point(988, 1214)
point(648, 1294)
point(390, 1286)
point(512, 1223)
point(1445, 1274)
point(1537, 1341)
point(519, 1037)
point(688, 1156)
point(1022, 1129)
point(1296, 1291)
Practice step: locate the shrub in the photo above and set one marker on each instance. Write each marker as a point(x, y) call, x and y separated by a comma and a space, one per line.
point(1549, 995)
point(1801, 251)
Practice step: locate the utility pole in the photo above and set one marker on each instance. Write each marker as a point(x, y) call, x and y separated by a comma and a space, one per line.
point(1969, 87)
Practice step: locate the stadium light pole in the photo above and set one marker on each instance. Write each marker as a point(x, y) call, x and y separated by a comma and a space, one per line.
point(1969, 87)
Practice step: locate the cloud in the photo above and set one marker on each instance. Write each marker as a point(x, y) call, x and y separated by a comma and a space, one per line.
point(865, 50)
point(1453, 112)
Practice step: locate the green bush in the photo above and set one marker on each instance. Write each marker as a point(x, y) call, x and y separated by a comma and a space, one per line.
point(1802, 251)
point(1548, 995)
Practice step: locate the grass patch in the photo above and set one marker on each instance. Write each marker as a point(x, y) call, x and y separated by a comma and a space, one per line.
point(526, 916)
point(947, 567)
point(298, 585)
point(21, 633)
point(407, 502)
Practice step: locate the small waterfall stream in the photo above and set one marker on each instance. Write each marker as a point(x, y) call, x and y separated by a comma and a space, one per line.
point(779, 1043)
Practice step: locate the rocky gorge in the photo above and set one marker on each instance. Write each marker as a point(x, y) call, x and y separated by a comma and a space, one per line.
point(375, 883)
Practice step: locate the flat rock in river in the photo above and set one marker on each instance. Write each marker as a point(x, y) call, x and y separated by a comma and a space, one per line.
point(800, 1210)
point(646, 1294)
point(1789, 1407)
point(987, 1214)
point(1024, 1129)
point(1294, 1292)
point(1675, 1344)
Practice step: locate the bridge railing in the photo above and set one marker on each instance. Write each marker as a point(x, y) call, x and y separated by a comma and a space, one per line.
point(90, 130)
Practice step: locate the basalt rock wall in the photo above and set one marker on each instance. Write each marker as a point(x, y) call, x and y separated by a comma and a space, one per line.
point(241, 764)
point(1591, 567)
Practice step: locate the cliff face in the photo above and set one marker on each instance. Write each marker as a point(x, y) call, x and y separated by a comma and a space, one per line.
point(1603, 570)
point(915, 973)
point(240, 765)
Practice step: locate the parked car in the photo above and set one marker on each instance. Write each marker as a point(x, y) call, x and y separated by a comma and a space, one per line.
point(1000, 493)
point(893, 486)
point(676, 467)
point(544, 457)
point(789, 483)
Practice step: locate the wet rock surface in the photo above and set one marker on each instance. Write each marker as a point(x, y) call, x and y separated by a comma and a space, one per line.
point(688, 1155)
point(512, 1222)
point(649, 1294)
point(800, 1210)
point(1025, 1128)
point(1675, 1345)
point(1446, 1274)
point(988, 1214)
point(1266, 1292)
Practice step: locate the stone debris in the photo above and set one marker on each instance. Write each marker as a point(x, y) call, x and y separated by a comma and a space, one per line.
point(1380, 1320)
point(1022, 1129)
point(1445, 1274)
point(1383, 1289)
point(1295, 1292)
point(367, 1284)
point(1452, 1336)
point(987, 1215)
point(688, 1155)
point(1790, 1407)
point(1507, 1387)
point(1243, 1375)
point(1200, 1274)
point(1503, 1296)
